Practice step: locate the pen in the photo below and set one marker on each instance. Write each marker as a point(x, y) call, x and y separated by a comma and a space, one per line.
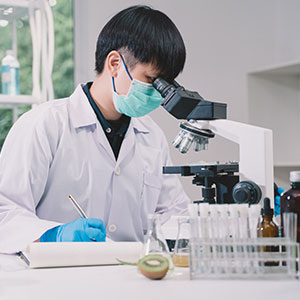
point(78, 208)
point(24, 258)
point(80, 211)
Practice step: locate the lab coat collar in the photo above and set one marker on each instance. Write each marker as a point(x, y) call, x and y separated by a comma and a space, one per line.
point(138, 125)
point(82, 114)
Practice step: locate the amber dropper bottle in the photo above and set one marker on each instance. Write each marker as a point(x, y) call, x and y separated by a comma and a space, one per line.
point(268, 229)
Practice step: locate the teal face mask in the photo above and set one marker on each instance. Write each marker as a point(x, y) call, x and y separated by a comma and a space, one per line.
point(141, 99)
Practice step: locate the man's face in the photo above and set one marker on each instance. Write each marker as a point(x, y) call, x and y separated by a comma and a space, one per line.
point(144, 72)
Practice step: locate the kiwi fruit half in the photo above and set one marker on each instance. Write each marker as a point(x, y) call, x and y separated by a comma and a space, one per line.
point(153, 266)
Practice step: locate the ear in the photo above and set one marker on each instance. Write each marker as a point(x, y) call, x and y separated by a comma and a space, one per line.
point(114, 62)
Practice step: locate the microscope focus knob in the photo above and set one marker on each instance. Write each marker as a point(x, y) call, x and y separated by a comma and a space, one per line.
point(246, 192)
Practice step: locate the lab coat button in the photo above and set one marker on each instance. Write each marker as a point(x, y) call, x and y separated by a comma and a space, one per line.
point(112, 228)
point(108, 130)
point(117, 171)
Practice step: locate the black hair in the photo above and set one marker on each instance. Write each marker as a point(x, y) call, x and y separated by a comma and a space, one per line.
point(149, 35)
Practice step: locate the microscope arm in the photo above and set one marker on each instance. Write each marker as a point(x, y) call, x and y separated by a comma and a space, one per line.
point(255, 143)
point(255, 148)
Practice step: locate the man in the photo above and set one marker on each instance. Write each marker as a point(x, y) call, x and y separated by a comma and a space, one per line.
point(96, 145)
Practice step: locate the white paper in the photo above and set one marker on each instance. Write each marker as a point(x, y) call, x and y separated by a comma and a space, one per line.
point(43, 255)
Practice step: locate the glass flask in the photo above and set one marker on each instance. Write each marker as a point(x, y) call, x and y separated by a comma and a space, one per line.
point(181, 249)
point(155, 242)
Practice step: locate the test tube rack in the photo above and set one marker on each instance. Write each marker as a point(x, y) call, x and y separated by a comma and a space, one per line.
point(251, 258)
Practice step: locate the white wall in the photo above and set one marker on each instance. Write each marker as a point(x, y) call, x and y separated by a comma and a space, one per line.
point(224, 39)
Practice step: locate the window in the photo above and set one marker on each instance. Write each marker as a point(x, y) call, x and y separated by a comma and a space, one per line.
point(63, 69)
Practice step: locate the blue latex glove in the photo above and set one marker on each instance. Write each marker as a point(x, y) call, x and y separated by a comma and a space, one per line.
point(277, 200)
point(81, 230)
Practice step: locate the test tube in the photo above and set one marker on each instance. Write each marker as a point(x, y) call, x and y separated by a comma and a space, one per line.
point(204, 251)
point(290, 226)
point(204, 213)
point(254, 217)
point(224, 250)
point(234, 235)
point(193, 210)
point(243, 235)
point(194, 260)
point(213, 232)
point(290, 233)
point(254, 223)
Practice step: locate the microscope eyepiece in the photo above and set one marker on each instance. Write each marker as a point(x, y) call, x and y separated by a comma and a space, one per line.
point(164, 88)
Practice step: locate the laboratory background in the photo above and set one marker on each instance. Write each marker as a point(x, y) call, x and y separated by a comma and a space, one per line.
point(245, 54)
point(242, 53)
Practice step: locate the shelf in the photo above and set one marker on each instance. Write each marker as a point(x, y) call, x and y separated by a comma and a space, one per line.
point(287, 164)
point(11, 10)
point(291, 68)
point(7, 101)
point(9, 13)
point(274, 102)
point(15, 3)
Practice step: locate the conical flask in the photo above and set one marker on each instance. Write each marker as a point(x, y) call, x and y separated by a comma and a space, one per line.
point(155, 242)
point(181, 249)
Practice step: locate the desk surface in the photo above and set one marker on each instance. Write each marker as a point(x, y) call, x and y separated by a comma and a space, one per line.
point(124, 282)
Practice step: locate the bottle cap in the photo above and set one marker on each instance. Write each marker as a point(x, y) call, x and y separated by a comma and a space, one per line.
point(243, 210)
point(267, 210)
point(213, 210)
point(233, 210)
point(10, 52)
point(203, 210)
point(223, 210)
point(295, 176)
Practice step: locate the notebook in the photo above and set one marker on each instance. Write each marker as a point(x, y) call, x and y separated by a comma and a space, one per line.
point(45, 255)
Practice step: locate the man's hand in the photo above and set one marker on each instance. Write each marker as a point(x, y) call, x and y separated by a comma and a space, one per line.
point(81, 230)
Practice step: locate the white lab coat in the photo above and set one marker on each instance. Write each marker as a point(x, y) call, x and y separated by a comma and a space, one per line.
point(59, 148)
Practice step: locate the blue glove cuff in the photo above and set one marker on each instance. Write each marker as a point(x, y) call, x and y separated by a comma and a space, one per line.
point(50, 235)
point(277, 205)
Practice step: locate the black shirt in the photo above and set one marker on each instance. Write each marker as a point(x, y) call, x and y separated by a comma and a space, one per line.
point(114, 130)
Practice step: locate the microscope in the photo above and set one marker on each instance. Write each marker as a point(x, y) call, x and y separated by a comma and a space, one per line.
point(246, 181)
